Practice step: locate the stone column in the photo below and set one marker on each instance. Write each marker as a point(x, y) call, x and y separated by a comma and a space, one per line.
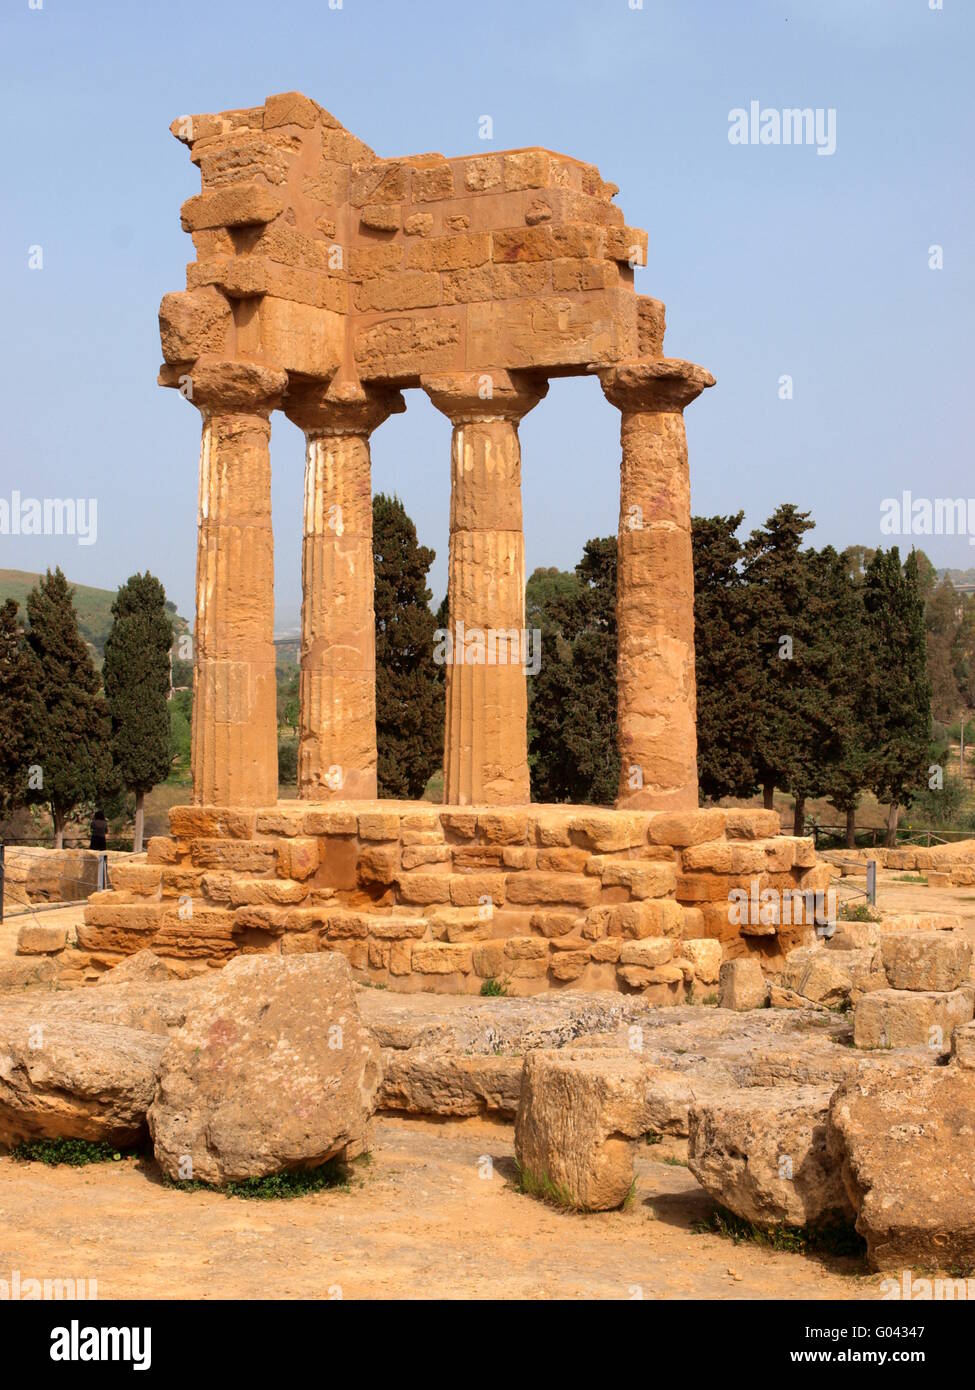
point(337, 741)
point(656, 698)
point(486, 734)
point(235, 746)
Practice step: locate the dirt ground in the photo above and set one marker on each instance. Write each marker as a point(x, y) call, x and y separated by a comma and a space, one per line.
point(419, 1222)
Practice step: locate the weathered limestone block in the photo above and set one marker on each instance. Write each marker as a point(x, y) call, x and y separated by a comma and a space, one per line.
point(578, 1112)
point(704, 954)
point(689, 827)
point(68, 1079)
point(38, 939)
point(903, 1145)
point(742, 985)
point(926, 960)
point(910, 1018)
point(762, 1154)
point(643, 878)
point(531, 888)
point(22, 972)
point(271, 1071)
point(486, 743)
point(963, 1046)
point(830, 976)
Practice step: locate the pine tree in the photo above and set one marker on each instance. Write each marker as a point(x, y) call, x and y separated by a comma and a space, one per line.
point(901, 693)
point(409, 685)
point(18, 709)
point(71, 734)
point(726, 661)
point(136, 676)
point(572, 700)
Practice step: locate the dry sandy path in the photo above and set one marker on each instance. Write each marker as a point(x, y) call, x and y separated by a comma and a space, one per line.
point(420, 1222)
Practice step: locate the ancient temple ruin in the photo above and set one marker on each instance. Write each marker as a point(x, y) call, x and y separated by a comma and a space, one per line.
point(329, 279)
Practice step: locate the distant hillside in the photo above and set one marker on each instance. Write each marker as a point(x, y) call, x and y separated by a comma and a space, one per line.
point(93, 606)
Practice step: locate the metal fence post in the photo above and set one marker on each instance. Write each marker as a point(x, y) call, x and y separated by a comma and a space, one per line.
point(872, 882)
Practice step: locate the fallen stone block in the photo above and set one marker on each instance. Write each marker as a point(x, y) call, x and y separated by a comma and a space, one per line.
point(272, 1070)
point(910, 1018)
point(142, 967)
point(579, 1111)
point(926, 960)
point(762, 1154)
point(67, 1079)
point(23, 971)
point(39, 939)
point(742, 985)
point(903, 1145)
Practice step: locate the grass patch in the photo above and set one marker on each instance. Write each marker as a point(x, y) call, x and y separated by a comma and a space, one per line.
point(825, 1240)
point(652, 1137)
point(540, 1185)
point(858, 912)
point(911, 878)
point(76, 1153)
point(710, 1001)
point(674, 1162)
point(299, 1182)
point(495, 989)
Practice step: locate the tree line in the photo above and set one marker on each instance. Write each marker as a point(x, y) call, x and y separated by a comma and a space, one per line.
point(812, 671)
point(71, 738)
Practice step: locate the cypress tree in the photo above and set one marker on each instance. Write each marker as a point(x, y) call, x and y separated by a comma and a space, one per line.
point(71, 733)
point(136, 676)
point(572, 700)
point(726, 661)
point(18, 709)
point(776, 580)
point(409, 685)
point(901, 692)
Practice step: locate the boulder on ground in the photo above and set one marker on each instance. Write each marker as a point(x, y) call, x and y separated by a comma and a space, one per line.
point(905, 1148)
point(762, 1154)
point(67, 1079)
point(142, 967)
point(580, 1109)
point(20, 972)
point(926, 960)
point(910, 1018)
point(963, 1046)
point(741, 985)
point(41, 939)
point(272, 1070)
point(830, 976)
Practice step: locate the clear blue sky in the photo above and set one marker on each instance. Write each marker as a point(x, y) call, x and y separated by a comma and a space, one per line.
point(772, 260)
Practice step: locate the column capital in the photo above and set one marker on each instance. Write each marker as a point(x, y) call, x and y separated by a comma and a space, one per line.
point(235, 387)
point(663, 384)
point(487, 395)
point(321, 408)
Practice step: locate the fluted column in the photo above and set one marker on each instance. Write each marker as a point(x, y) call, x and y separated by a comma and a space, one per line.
point(656, 695)
point(486, 734)
point(235, 749)
point(337, 738)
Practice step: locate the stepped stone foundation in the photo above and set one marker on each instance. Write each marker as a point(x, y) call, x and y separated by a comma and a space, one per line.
point(423, 897)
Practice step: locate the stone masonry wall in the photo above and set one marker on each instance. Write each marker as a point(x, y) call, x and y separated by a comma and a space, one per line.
point(420, 897)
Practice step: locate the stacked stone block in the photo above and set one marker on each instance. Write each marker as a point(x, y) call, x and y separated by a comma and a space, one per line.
point(420, 897)
point(930, 992)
